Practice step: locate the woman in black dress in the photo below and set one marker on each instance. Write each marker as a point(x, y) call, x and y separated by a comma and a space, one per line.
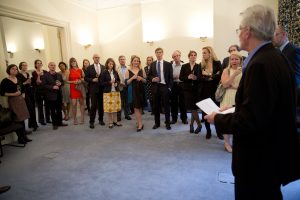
point(210, 76)
point(189, 75)
point(25, 80)
point(40, 92)
point(148, 84)
point(136, 76)
point(14, 91)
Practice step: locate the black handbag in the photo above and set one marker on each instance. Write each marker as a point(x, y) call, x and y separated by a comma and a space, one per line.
point(6, 117)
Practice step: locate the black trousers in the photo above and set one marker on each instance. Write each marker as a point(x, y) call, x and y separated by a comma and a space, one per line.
point(30, 103)
point(96, 104)
point(124, 104)
point(177, 100)
point(87, 101)
point(249, 189)
point(40, 99)
point(161, 92)
point(56, 111)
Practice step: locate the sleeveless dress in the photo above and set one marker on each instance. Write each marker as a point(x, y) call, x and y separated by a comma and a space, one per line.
point(138, 96)
point(65, 90)
point(229, 97)
point(74, 75)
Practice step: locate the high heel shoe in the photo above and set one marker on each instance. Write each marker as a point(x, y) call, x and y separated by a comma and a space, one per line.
point(75, 122)
point(220, 136)
point(198, 129)
point(191, 128)
point(139, 129)
point(227, 147)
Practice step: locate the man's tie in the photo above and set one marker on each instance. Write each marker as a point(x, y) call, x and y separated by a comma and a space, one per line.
point(158, 70)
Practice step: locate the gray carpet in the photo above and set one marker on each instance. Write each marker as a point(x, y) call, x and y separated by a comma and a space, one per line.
point(76, 162)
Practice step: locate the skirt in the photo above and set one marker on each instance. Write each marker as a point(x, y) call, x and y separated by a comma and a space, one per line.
point(18, 106)
point(111, 102)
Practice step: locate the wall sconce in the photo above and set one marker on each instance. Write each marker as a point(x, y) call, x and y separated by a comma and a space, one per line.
point(38, 50)
point(203, 38)
point(150, 43)
point(11, 54)
point(86, 46)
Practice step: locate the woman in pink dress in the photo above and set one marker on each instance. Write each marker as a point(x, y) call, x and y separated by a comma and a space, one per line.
point(75, 78)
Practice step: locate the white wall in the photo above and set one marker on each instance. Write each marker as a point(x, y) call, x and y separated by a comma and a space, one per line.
point(226, 21)
point(82, 22)
point(120, 30)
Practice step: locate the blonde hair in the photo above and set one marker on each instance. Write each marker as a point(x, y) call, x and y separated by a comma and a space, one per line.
point(131, 60)
point(213, 56)
point(238, 55)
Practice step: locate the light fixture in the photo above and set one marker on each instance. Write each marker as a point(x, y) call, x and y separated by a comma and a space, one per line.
point(38, 44)
point(11, 49)
point(150, 43)
point(203, 38)
point(86, 46)
point(38, 50)
point(11, 54)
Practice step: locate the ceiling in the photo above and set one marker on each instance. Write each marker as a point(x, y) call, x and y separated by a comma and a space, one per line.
point(104, 4)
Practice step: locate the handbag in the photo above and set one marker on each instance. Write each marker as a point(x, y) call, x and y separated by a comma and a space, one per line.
point(220, 92)
point(81, 88)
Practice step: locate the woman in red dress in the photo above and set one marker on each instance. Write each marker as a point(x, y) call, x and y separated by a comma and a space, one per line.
point(75, 78)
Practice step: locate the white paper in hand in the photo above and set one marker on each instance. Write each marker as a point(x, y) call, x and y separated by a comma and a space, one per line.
point(208, 106)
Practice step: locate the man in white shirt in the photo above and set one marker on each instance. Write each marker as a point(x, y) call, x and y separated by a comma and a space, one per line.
point(177, 95)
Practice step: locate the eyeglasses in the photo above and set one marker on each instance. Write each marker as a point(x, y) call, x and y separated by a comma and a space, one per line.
point(238, 31)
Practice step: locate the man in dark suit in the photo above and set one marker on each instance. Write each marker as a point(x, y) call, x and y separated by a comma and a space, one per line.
point(291, 51)
point(161, 76)
point(92, 76)
point(52, 82)
point(266, 151)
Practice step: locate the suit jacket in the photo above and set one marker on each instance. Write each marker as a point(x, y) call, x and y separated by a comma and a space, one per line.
point(168, 74)
point(48, 83)
point(292, 53)
point(90, 74)
point(122, 80)
point(106, 79)
point(185, 72)
point(265, 143)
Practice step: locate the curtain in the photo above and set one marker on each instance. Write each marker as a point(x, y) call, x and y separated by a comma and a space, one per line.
point(289, 17)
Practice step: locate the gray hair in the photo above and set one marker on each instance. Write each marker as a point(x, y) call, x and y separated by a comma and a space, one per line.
point(261, 21)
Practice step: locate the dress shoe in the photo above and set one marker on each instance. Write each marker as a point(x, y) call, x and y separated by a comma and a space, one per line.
point(63, 124)
point(92, 126)
point(168, 127)
point(185, 122)
point(173, 121)
point(28, 132)
point(117, 124)
point(208, 135)
point(27, 139)
point(198, 129)
point(21, 140)
point(35, 128)
point(43, 123)
point(155, 126)
point(101, 123)
point(4, 189)
point(128, 117)
point(55, 127)
point(191, 128)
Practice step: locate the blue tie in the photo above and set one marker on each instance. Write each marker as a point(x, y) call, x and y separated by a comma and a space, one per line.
point(158, 70)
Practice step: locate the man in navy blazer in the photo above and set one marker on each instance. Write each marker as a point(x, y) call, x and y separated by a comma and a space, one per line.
point(266, 151)
point(161, 76)
point(92, 76)
point(291, 51)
